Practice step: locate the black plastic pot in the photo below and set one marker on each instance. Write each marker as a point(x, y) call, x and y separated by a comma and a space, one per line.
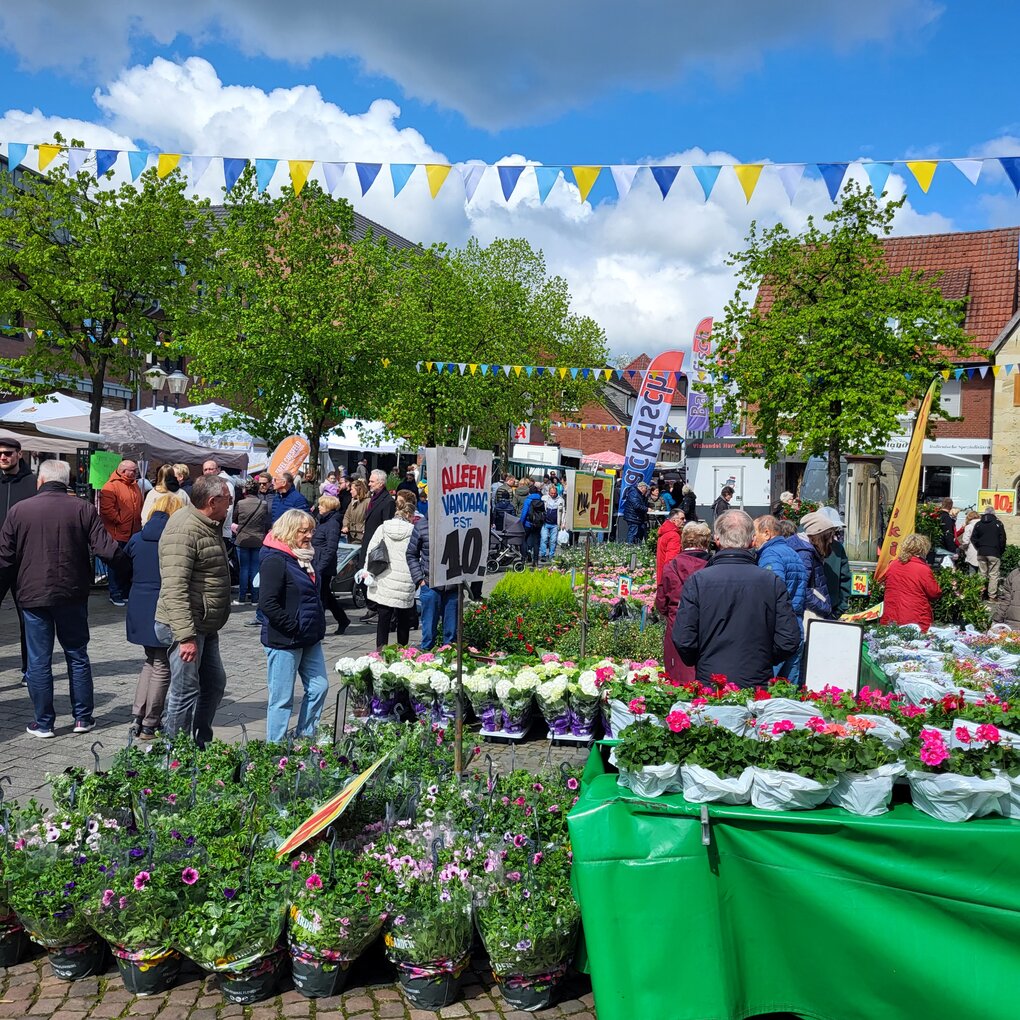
point(255, 982)
point(318, 979)
point(85, 959)
point(431, 992)
point(13, 943)
point(151, 976)
point(528, 994)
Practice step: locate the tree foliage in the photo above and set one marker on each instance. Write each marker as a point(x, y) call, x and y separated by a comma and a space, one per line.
point(823, 347)
point(91, 266)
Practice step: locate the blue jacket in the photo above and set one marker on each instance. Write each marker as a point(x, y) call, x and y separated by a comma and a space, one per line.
point(777, 555)
point(635, 506)
point(526, 506)
point(290, 500)
point(418, 552)
point(817, 600)
point(324, 542)
point(289, 600)
point(143, 551)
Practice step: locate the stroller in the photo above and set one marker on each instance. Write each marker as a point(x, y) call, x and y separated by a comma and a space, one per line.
point(343, 583)
point(506, 547)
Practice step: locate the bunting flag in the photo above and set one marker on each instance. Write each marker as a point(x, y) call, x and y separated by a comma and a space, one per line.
point(664, 177)
point(587, 425)
point(471, 174)
point(748, 175)
point(264, 171)
point(299, 171)
point(1011, 164)
point(790, 175)
point(166, 163)
point(970, 168)
point(586, 176)
point(878, 174)
point(623, 178)
point(232, 170)
point(546, 177)
point(833, 174)
point(367, 173)
point(923, 171)
point(16, 152)
point(199, 165)
point(76, 159)
point(509, 175)
point(400, 174)
point(436, 173)
point(47, 153)
point(707, 176)
point(105, 159)
point(137, 161)
point(333, 172)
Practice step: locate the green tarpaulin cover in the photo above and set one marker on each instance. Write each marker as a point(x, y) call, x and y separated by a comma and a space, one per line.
point(818, 913)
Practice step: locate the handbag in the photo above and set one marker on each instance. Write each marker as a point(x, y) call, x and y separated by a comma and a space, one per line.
point(378, 559)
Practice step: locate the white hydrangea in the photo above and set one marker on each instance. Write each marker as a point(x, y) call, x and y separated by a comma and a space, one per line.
point(479, 682)
point(378, 667)
point(401, 668)
point(362, 662)
point(440, 682)
point(554, 689)
point(419, 680)
point(586, 683)
point(527, 680)
point(503, 688)
point(347, 667)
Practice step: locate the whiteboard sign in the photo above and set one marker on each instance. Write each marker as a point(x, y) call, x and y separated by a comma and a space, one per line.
point(459, 497)
point(832, 655)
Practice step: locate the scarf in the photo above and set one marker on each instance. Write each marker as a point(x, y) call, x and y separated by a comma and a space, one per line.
point(304, 557)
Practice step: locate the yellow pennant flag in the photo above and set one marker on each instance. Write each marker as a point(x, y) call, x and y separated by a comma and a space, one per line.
point(299, 171)
point(586, 176)
point(436, 174)
point(47, 152)
point(563, 372)
point(945, 373)
point(518, 369)
point(748, 174)
point(903, 519)
point(607, 372)
point(996, 369)
point(167, 163)
point(474, 368)
point(923, 171)
point(428, 366)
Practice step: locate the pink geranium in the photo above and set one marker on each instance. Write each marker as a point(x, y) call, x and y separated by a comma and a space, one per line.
point(783, 726)
point(678, 721)
point(636, 706)
point(962, 734)
point(988, 732)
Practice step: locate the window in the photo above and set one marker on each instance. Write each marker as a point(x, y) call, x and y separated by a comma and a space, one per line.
point(950, 398)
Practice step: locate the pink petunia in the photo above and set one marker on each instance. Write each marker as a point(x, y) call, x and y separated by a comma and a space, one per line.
point(189, 876)
point(313, 881)
point(140, 879)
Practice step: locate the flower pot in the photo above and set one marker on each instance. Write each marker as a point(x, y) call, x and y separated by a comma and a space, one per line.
point(582, 719)
point(432, 985)
point(559, 725)
point(517, 719)
point(954, 798)
point(421, 705)
point(773, 790)
point(651, 780)
point(735, 718)
point(491, 718)
point(531, 992)
point(13, 941)
point(383, 709)
point(81, 960)
point(1009, 805)
point(317, 973)
point(703, 786)
point(255, 982)
point(866, 793)
point(149, 971)
point(359, 703)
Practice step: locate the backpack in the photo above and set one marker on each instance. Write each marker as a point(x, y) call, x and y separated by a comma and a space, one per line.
point(536, 513)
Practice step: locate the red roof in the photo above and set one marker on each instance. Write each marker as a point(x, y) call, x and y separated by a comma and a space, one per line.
point(639, 366)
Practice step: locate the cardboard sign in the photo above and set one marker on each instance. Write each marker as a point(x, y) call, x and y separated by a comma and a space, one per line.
point(833, 651)
point(590, 500)
point(860, 583)
point(1002, 501)
point(459, 514)
point(289, 455)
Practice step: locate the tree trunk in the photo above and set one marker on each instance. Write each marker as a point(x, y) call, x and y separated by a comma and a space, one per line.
point(836, 408)
point(98, 378)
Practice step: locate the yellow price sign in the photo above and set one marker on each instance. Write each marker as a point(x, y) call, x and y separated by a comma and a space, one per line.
point(860, 583)
point(1002, 501)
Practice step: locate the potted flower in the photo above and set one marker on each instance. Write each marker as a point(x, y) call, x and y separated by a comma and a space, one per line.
point(955, 785)
point(719, 766)
point(389, 683)
point(444, 695)
point(649, 755)
point(643, 690)
point(870, 767)
point(516, 697)
point(553, 698)
point(585, 702)
point(335, 914)
point(13, 940)
point(724, 703)
point(480, 688)
point(357, 676)
point(797, 769)
point(528, 921)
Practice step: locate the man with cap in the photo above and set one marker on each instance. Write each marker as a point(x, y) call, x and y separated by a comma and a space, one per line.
point(16, 483)
point(989, 539)
point(837, 567)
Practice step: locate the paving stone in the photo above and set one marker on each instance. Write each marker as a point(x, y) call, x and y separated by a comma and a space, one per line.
point(388, 1010)
point(356, 1003)
point(454, 1009)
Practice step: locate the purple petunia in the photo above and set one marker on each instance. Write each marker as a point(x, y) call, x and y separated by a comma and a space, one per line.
point(229, 894)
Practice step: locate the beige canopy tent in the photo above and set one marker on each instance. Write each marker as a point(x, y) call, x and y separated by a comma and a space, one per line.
point(33, 442)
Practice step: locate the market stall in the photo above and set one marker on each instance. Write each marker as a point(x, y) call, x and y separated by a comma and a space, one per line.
point(761, 912)
point(191, 424)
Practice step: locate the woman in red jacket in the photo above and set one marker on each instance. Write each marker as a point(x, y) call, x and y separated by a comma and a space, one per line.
point(667, 545)
point(695, 538)
point(910, 585)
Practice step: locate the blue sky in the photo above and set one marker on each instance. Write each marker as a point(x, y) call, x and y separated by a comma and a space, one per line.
point(650, 81)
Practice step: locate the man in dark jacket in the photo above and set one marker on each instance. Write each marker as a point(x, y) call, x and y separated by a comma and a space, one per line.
point(722, 504)
point(16, 483)
point(410, 482)
point(735, 619)
point(635, 513)
point(947, 522)
point(287, 497)
point(436, 603)
point(532, 522)
point(989, 540)
point(381, 507)
point(53, 590)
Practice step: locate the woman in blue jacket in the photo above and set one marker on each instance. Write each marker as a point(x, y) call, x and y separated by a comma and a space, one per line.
point(812, 547)
point(294, 626)
point(154, 680)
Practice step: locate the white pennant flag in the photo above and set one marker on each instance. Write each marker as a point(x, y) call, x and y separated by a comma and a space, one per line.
point(471, 173)
point(623, 177)
point(75, 158)
point(461, 365)
point(790, 174)
point(970, 168)
point(199, 165)
point(333, 172)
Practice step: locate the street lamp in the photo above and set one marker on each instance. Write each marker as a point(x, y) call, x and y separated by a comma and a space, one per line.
point(154, 379)
point(177, 382)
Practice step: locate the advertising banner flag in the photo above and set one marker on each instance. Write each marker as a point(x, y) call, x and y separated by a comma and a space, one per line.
point(651, 415)
point(904, 514)
point(590, 498)
point(289, 455)
point(697, 401)
point(459, 512)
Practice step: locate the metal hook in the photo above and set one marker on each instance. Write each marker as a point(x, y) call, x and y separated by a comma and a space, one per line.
point(548, 753)
point(244, 732)
point(4, 779)
point(95, 744)
point(130, 737)
point(464, 438)
point(439, 843)
point(513, 756)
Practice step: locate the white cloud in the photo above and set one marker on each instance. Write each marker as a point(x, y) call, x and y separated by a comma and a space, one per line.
point(646, 269)
point(497, 64)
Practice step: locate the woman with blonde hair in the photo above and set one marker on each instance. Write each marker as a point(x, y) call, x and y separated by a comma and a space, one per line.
point(910, 585)
point(143, 552)
point(166, 484)
point(294, 626)
point(183, 473)
point(392, 588)
point(354, 519)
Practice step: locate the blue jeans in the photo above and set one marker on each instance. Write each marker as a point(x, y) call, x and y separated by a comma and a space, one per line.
point(247, 568)
point(437, 604)
point(636, 533)
point(118, 590)
point(791, 668)
point(284, 666)
point(196, 688)
point(547, 545)
point(70, 622)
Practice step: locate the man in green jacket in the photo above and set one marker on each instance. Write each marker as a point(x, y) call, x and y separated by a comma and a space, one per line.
point(193, 606)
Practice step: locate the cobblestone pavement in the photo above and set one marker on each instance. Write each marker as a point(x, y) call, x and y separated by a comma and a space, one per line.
point(30, 990)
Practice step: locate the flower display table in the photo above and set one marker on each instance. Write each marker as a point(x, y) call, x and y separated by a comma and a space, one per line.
point(821, 913)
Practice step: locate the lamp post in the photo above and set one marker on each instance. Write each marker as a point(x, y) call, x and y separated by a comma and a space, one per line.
point(155, 377)
point(177, 383)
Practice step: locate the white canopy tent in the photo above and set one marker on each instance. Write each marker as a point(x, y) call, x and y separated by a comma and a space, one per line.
point(233, 440)
point(356, 436)
point(26, 411)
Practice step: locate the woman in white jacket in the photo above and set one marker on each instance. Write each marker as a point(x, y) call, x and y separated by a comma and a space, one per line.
point(392, 589)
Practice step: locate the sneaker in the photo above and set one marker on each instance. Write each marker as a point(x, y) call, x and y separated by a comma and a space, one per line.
point(253, 623)
point(118, 602)
point(35, 730)
point(84, 725)
point(237, 602)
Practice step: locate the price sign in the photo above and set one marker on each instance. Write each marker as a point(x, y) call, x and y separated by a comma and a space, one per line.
point(590, 498)
point(1002, 501)
point(860, 583)
point(459, 496)
point(623, 587)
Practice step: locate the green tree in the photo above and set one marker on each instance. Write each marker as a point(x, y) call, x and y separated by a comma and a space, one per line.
point(103, 273)
point(295, 318)
point(822, 346)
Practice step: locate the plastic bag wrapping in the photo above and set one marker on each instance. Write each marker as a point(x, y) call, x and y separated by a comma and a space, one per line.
point(1009, 804)
point(866, 793)
point(652, 780)
point(772, 790)
point(556, 712)
point(735, 718)
point(1005, 736)
point(954, 798)
point(703, 786)
point(915, 687)
point(620, 717)
point(891, 734)
point(774, 710)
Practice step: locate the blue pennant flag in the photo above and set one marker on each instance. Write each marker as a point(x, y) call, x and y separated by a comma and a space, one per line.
point(707, 176)
point(232, 170)
point(585, 372)
point(508, 178)
point(958, 373)
point(264, 170)
point(16, 152)
point(970, 373)
point(105, 158)
point(483, 369)
point(546, 176)
point(664, 177)
point(878, 174)
point(401, 174)
point(367, 173)
point(541, 370)
point(619, 373)
point(833, 174)
point(573, 373)
point(137, 161)
point(1011, 164)
point(529, 369)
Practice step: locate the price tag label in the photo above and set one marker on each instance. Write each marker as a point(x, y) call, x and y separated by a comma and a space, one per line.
point(459, 514)
point(860, 583)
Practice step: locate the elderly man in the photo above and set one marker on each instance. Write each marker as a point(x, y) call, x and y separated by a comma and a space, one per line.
point(735, 620)
point(193, 606)
point(989, 539)
point(775, 554)
point(120, 508)
point(635, 513)
point(287, 497)
point(44, 554)
point(210, 469)
point(381, 507)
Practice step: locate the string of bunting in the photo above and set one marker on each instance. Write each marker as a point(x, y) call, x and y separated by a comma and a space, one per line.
point(545, 177)
point(587, 425)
